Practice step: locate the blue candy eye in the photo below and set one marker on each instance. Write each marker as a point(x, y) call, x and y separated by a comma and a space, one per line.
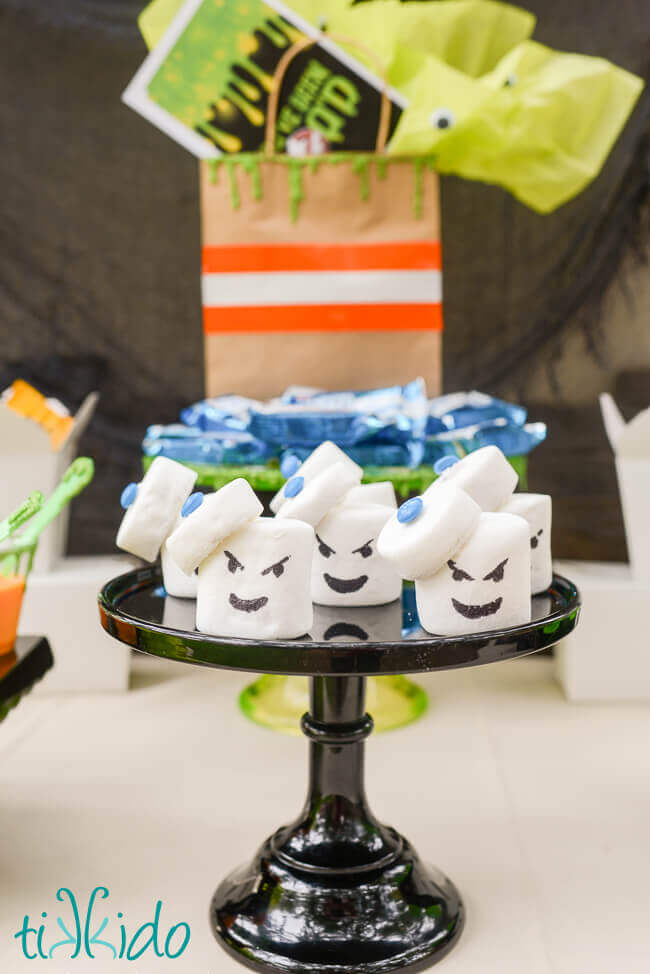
point(293, 487)
point(444, 463)
point(128, 495)
point(191, 504)
point(410, 510)
point(289, 466)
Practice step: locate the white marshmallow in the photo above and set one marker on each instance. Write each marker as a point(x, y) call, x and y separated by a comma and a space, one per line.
point(176, 582)
point(324, 456)
point(381, 492)
point(318, 495)
point(484, 474)
point(485, 585)
point(221, 513)
point(368, 624)
point(537, 510)
point(347, 569)
point(419, 547)
point(256, 585)
point(161, 493)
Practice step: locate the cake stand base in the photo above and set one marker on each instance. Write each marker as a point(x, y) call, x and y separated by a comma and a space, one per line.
point(336, 891)
point(273, 918)
point(278, 702)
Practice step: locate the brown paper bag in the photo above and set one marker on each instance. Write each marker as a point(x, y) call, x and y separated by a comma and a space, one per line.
point(320, 271)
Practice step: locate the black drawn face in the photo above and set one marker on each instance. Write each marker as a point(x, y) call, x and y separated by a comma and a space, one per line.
point(235, 567)
point(480, 610)
point(534, 541)
point(345, 586)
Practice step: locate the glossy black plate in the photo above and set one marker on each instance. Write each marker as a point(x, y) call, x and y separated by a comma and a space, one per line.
point(135, 609)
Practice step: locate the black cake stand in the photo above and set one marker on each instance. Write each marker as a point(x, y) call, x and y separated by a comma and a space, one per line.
point(335, 892)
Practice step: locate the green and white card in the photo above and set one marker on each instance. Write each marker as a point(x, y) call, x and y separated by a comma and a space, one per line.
point(207, 83)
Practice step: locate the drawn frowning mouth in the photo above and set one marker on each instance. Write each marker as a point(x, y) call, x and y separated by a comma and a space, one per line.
point(345, 629)
point(247, 605)
point(477, 611)
point(345, 585)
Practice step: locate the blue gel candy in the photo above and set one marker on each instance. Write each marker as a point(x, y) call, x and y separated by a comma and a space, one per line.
point(191, 504)
point(289, 466)
point(410, 510)
point(128, 495)
point(293, 487)
point(444, 462)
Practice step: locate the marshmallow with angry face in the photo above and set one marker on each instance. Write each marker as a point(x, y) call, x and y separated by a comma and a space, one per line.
point(536, 509)
point(319, 460)
point(255, 584)
point(485, 585)
point(347, 568)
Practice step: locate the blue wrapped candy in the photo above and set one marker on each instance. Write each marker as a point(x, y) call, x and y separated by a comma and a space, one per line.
point(190, 445)
point(220, 414)
point(303, 418)
point(511, 439)
point(462, 409)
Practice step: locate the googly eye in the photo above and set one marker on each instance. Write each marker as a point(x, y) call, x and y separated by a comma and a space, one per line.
point(193, 502)
point(410, 510)
point(293, 487)
point(128, 495)
point(289, 466)
point(444, 463)
point(443, 118)
point(510, 81)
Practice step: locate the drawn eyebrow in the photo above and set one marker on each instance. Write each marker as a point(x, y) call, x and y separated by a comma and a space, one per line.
point(496, 575)
point(233, 563)
point(277, 567)
point(325, 549)
point(361, 547)
point(457, 573)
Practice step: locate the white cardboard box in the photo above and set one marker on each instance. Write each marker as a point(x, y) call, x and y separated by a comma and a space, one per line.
point(607, 657)
point(631, 445)
point(29, 463)
point(62, 605)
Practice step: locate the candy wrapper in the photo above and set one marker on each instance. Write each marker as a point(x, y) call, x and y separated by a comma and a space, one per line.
point(461, 409)
point(513, 440)
point(219, 414)
point(395, 415)
point(393, 427)
point(192, 445)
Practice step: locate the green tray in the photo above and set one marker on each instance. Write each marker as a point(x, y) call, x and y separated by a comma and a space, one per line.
point(268, 478)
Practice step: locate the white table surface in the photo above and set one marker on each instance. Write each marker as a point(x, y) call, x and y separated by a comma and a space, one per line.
point(538, 809)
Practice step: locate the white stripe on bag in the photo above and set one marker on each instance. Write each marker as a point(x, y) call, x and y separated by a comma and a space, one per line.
point(321, 287)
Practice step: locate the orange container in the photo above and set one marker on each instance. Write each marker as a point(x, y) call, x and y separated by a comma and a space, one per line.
point(11, 600)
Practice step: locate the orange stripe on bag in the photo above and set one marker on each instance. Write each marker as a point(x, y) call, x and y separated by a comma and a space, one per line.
point(325, 317)
point(399, 255)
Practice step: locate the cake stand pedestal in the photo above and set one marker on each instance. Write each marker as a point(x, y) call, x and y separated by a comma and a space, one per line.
point(335, 892)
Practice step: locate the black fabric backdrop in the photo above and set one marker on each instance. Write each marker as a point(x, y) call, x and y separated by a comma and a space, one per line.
point(99, 276)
